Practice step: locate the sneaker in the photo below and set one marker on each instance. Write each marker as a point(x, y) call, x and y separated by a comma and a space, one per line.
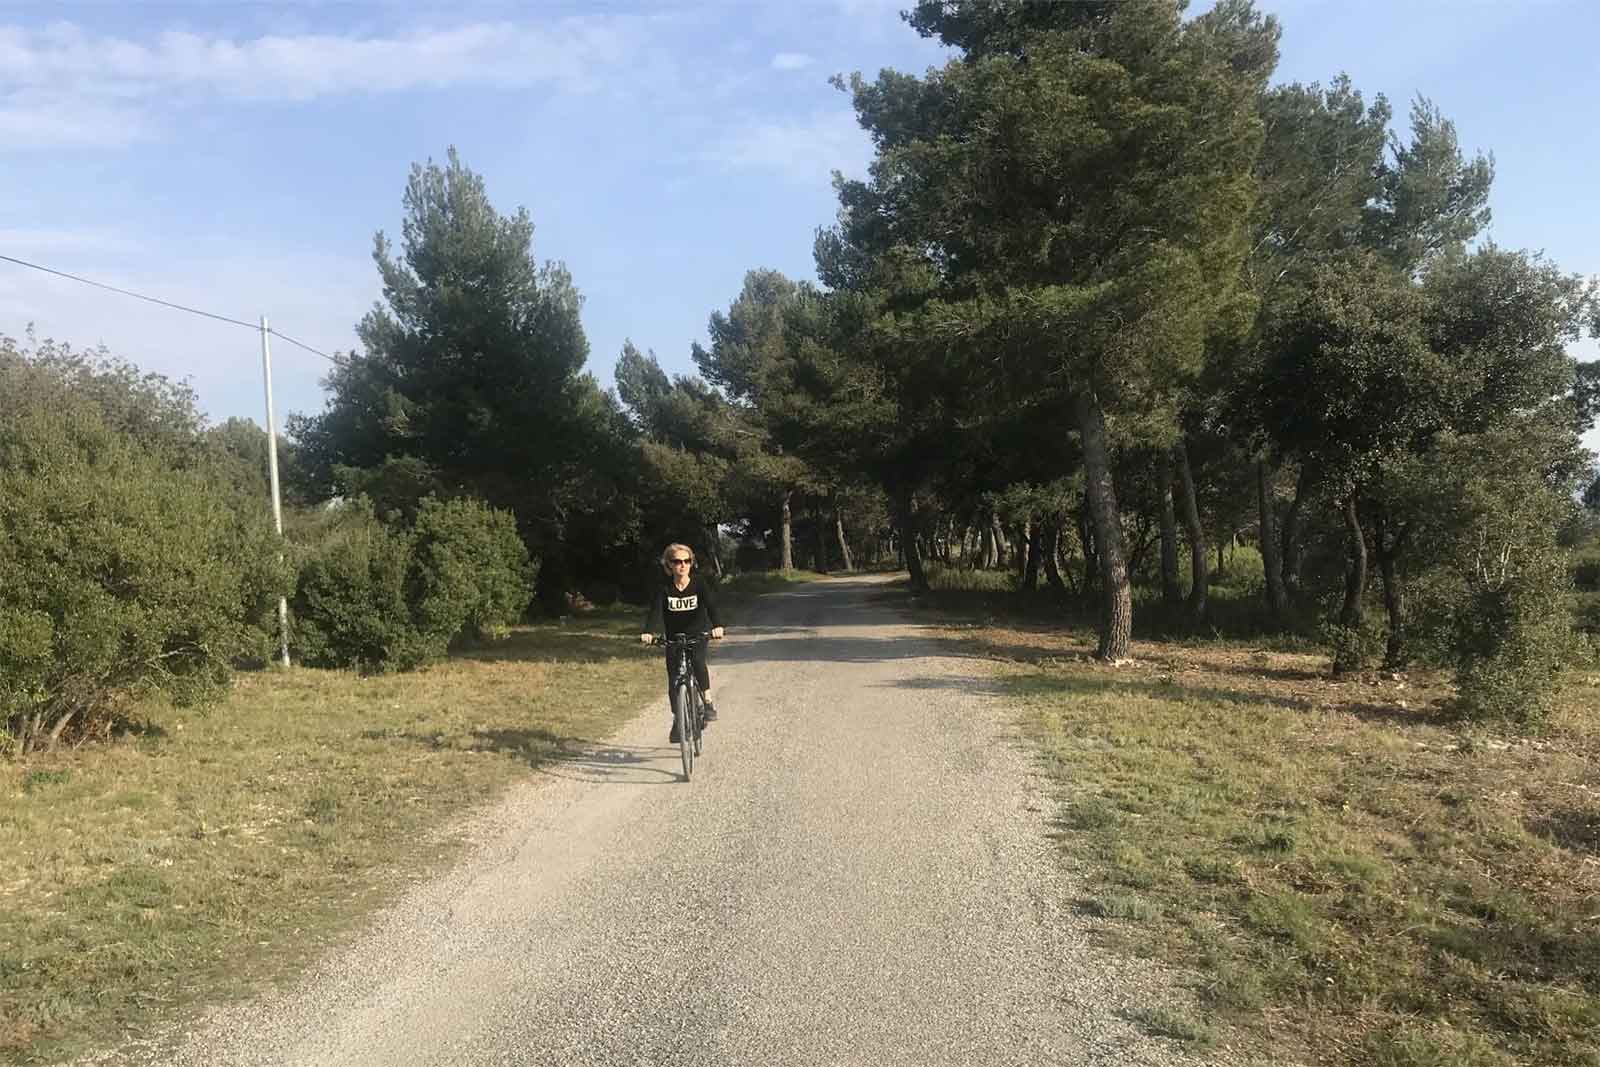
point(710, 713)
point(676, 735)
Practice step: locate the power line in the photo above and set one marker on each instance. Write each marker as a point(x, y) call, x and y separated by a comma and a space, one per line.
point(335, 360)
point(169, 304)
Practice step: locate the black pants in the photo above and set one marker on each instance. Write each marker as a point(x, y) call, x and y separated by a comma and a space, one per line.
point(697, 660)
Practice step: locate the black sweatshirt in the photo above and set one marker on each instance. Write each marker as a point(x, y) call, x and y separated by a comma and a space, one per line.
point(692, 611)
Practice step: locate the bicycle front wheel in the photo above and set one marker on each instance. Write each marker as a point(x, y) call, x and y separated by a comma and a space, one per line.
point(699, 718)
point(684, 709)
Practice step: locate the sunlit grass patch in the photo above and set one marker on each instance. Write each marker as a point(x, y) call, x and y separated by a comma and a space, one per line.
point(207, 854)
point(1354, 878)
point(753, 582)
point(1177, 1025)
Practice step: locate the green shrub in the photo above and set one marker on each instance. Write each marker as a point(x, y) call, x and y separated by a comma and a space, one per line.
point(1512, 639)
point(943, 578)
point(124, 564)
point(1498, 600)
point(379, 597)
point(472, 569)
point(351, 607)
point(1586, 574)
point(1353, 647)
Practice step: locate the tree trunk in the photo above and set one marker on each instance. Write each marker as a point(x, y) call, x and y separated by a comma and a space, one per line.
point(987, 553)
point(54, 737)
point(1271, 565)
point(1052, 558)
point(1394, 656)
point(1035, 543)
point(919, 577)
point(1171, 591)
point(1291, 534)
point(713, 544)
point(1001, 549)
point(908, 540)
point(788, 537)
point(1355, 576)
point(844, 545)
point(820, 539)
point(1200, 580)
point(1091, 553)
point(1388, 554)
point(550, 587)
point(1116, 606)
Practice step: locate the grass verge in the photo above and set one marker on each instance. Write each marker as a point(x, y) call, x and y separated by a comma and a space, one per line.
point(740, 588)
point(202, 856)
point(1353, 879)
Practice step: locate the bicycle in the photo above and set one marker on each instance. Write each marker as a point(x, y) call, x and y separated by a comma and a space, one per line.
point(688, 702)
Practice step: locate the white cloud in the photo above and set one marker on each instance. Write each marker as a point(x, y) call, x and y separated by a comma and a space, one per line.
point(34, 119)
point(803, 149)
point(791, 61)
point(570, 52)
point(63, 86)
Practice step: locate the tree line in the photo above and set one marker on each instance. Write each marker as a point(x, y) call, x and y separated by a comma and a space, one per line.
point(1105, 292)
point(1106, 301)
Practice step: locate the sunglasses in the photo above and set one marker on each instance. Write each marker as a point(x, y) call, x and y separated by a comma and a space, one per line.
point(685, 562)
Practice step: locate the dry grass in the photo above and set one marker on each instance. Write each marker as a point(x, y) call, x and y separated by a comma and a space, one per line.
point(202, 855)
point(1352, 878)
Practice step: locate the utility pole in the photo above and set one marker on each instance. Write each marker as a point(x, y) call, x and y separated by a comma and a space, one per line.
point(272, 469)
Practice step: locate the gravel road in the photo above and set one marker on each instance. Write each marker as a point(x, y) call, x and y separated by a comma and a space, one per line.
point(860, 873)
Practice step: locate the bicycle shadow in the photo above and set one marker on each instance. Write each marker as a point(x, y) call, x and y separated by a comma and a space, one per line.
point(611, 764)
point(580, 759)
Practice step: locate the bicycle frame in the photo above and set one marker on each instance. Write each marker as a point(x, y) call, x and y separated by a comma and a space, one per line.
point(692, 722)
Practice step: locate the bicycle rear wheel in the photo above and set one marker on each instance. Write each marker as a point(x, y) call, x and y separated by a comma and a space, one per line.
point(684, 710)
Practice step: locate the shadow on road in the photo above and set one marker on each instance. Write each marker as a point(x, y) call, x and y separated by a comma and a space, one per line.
point(950, 683)
point(583, 760)
point(614, 765)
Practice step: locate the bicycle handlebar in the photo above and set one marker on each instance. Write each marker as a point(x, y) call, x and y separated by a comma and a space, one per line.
point(679, 639)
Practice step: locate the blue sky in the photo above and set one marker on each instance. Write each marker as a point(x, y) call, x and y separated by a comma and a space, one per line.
point(238, 156)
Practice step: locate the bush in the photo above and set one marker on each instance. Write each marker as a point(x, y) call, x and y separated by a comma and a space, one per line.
point(1353, 648)
point(1512, 640)
point(380, 598)
point(1499, 601)
point(945, 579)
point(472, 569)
point(1586, 570)
point(124, 565)
point(1586, 612)
point(350, 605)
point(748, 558)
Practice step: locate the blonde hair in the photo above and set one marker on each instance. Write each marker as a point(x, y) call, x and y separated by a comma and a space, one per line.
point(666, 556)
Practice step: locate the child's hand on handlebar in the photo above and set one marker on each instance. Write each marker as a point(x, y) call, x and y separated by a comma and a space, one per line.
point(645, 639)
point(716, 632)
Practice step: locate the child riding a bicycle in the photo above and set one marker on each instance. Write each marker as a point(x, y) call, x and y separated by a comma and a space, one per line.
point(684, 605)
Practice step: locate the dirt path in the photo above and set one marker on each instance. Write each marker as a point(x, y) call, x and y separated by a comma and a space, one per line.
point(859, 874)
